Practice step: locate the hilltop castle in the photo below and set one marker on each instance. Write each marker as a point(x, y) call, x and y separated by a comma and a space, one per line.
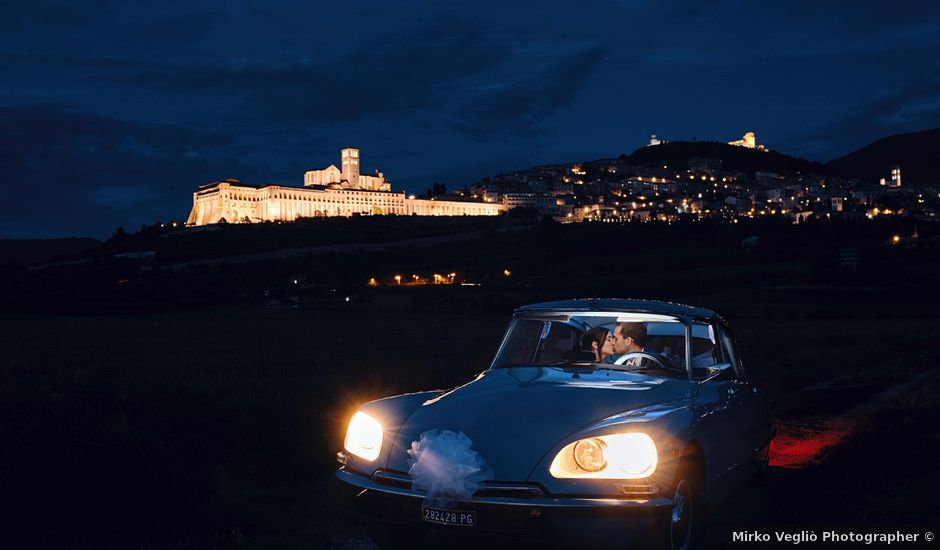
point(326, 192)
point(749, 140)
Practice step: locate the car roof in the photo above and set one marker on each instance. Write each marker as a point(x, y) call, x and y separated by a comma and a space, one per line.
point(620, 305)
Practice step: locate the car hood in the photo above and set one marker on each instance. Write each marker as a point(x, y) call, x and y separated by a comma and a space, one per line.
point(514, 416)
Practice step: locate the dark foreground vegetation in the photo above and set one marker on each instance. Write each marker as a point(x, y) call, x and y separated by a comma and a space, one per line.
point(135, 416)
point(835, 266)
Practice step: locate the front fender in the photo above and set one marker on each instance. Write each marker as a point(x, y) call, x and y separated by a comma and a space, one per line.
point(669, 424)
point(391, 412)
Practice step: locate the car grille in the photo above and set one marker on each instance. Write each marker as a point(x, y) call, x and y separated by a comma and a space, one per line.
point(627, 488)
point(394, 478)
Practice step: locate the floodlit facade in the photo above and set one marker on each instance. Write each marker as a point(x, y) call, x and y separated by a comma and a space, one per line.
point(327, 192)
point(350, 176)
point(749, 141)
point(895, 176)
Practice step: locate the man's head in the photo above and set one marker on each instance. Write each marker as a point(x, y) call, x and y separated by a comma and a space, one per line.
point(628, 337)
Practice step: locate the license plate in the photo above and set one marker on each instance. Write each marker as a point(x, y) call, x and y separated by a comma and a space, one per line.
point(460, 518)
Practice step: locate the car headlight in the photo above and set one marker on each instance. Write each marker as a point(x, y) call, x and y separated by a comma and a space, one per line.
point(363, 436)
point(615, 456)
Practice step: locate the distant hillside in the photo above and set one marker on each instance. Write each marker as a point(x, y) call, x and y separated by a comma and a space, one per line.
point(916, 153)
point(31, 251)
point(677, 154)
point(225, 240)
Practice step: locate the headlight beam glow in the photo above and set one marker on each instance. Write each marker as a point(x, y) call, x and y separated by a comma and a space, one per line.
point(615, 456)
point(363, 436)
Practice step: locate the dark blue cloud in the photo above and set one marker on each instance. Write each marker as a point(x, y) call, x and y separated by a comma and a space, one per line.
point(521, 105)
point(62, 168)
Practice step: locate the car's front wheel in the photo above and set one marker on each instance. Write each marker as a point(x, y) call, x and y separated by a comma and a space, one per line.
point(684, 521)
point(680, 517)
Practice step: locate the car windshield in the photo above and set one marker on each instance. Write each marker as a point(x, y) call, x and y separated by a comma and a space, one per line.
point(656, 343)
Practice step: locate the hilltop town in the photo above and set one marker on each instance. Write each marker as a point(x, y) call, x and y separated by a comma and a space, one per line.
point(665, 181)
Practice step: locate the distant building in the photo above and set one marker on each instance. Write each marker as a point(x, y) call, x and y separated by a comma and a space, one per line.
point(540, 201)
point(327, 192)
point(895, 180)
point(749, 140)
point(349, 177)
point(656, 141)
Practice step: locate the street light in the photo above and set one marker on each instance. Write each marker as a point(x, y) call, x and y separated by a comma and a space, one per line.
point(397, 279)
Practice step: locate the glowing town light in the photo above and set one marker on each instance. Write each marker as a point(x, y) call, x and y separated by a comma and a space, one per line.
point(896, 239)
point(507, 273)
point(373, 282)
point(397, 279)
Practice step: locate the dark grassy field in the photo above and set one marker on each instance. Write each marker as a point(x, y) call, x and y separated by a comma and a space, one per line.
point(209, 428)
point(217, 428)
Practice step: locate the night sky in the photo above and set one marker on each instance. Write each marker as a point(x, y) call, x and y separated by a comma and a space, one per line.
point(112, 113)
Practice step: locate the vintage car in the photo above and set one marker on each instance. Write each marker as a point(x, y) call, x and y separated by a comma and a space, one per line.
point(551, 443)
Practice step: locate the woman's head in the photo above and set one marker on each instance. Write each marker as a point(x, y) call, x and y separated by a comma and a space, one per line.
point(598, 340)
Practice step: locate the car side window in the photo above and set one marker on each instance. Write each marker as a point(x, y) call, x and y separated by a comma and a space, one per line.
point(704, 346)
point(729, 350)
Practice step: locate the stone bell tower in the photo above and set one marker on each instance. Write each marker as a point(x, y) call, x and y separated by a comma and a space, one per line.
point(351, 166)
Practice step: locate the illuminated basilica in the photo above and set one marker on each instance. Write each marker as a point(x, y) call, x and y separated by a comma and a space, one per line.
point(326, 192)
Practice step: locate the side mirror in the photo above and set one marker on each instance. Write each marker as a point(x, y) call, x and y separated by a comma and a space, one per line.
point(720, 370)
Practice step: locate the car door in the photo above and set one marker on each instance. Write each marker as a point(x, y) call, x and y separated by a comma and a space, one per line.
point(754, 420)
point(721, 427)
